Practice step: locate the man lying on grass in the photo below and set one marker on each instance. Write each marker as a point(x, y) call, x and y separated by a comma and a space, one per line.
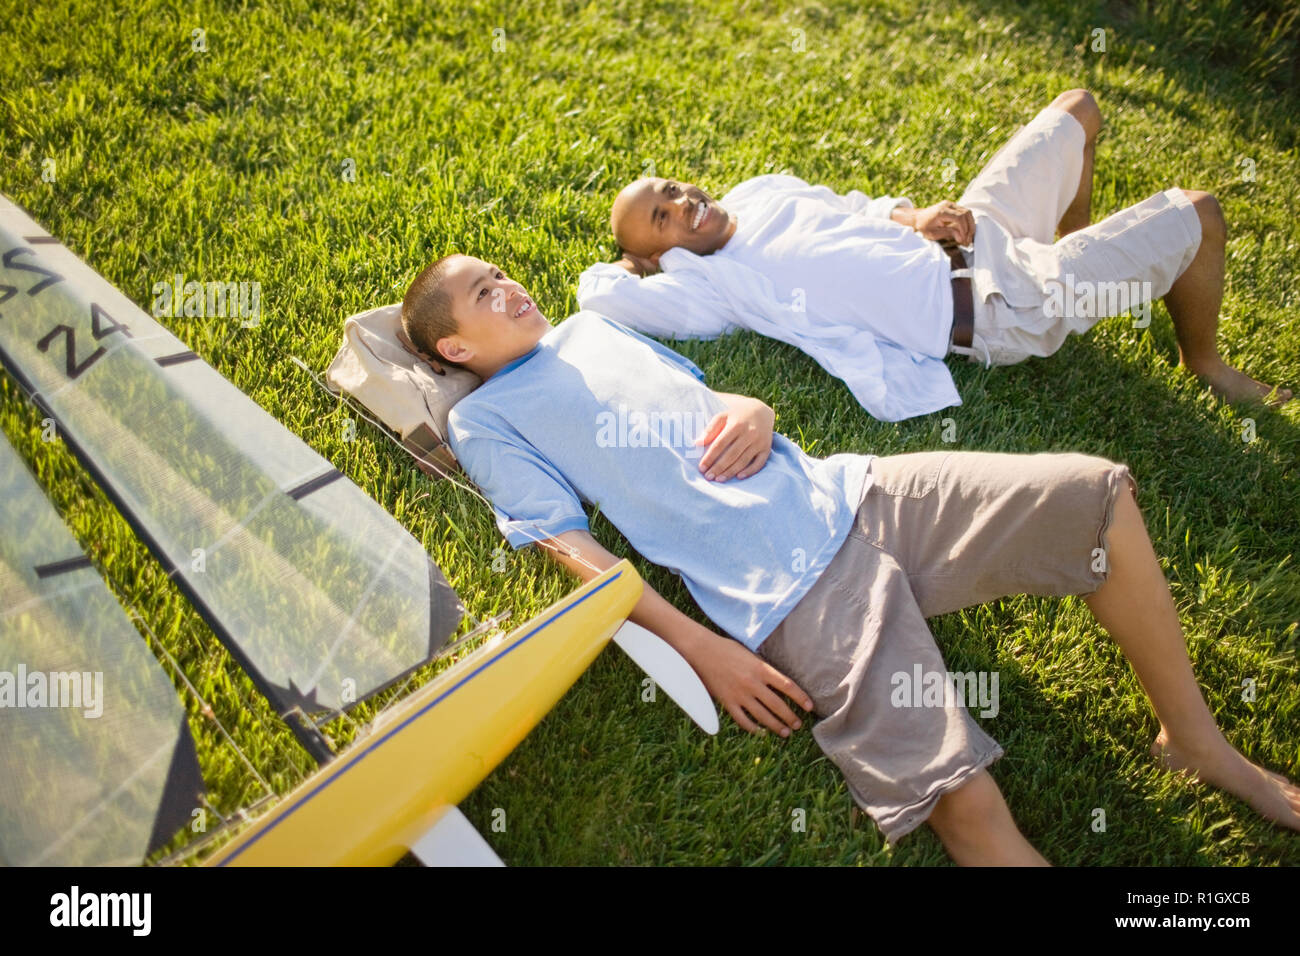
point(863, 286)
point(822, 570)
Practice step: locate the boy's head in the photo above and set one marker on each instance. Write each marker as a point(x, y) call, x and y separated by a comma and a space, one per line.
point(653, 215)
point(466, 312)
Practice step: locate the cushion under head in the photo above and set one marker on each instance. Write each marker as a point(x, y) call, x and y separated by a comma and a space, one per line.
point(407, 390)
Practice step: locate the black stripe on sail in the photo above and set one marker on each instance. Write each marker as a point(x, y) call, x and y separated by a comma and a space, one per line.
point(314, 484)
point(41, 240)
point(181, 792)
point(62, 567)
point(176, 359)
point(444, 609)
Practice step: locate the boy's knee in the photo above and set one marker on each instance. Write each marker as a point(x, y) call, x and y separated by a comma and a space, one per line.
point(973, 804)
point(1082, 105)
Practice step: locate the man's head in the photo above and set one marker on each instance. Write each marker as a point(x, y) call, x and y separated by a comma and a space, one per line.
point(654, 215)
point(467, 313)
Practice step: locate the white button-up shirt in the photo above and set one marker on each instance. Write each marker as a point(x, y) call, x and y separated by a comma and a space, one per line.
point(868, 298)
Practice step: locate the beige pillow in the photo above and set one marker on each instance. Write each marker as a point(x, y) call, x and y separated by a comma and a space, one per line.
point(405, 389)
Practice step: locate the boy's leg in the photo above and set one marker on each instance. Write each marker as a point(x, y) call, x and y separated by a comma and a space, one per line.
point(1135, 607)
point(848, 643)
point(981, 525)
point(976, 828)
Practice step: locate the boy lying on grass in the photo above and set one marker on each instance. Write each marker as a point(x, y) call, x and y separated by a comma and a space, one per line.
point(822, 570)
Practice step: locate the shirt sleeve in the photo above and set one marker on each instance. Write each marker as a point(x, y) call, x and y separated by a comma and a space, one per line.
point(878, 208)
point(531, 500)
point(667, 305)
point(857, 201)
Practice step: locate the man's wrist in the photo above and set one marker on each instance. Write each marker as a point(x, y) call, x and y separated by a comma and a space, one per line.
point(904, 215)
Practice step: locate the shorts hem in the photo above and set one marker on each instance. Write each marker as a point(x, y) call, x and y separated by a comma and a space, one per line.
point(1119, 477)
point(912, 816)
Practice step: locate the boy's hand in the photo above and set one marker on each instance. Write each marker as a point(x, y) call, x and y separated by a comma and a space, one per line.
point(739, 439)
point(748, 686)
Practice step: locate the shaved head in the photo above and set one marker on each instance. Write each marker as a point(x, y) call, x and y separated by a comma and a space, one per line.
point(653, 215)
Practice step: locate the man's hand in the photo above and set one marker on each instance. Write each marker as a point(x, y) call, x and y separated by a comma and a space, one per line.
point(739, 439)
point(749, 687)
point(946, 220)
point(638, 266)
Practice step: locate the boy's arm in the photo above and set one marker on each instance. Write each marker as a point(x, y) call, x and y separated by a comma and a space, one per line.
point(746, 684)
point(739, 439)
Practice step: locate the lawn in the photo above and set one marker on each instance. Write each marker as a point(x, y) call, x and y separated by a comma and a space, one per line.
point(328, 152)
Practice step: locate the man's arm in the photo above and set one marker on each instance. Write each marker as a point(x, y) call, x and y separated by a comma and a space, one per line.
point(943, 220)
point(663, 304)
point(747, 685)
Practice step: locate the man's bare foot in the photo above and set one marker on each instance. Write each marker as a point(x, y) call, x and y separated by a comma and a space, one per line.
point(1272, 795)
point(1237, 386)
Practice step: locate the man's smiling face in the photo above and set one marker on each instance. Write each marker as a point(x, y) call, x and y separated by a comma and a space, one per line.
point(497, 321)
point(654, 215)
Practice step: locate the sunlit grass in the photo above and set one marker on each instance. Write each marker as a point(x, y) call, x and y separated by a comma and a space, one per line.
point(230, 164)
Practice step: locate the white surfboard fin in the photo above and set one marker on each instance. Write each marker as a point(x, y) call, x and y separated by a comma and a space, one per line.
point(453, 841)
point(670, 671)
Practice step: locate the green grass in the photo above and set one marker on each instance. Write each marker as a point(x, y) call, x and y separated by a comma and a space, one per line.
point(227, 164)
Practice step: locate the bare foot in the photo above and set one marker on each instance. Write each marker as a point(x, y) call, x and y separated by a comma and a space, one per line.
point(1272, 795)
point(1237, 386)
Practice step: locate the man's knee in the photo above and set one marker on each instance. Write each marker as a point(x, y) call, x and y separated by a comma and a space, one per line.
point(1214, 226)
point(1082, 106)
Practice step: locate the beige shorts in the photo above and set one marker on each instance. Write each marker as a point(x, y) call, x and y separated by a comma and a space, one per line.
point(1052, 289)
point(935, 532)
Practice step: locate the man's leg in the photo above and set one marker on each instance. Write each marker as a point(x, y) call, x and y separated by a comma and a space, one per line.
point(976, 828)
point(1134, 605)
point(1193, 302)
point(1082, 106)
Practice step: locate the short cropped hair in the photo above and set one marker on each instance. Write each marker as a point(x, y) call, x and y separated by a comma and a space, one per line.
point(426, 310)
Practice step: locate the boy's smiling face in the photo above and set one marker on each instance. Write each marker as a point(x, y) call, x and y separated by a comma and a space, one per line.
point(497, 321)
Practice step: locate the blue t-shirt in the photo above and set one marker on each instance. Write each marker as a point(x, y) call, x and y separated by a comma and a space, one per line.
point(600, 414)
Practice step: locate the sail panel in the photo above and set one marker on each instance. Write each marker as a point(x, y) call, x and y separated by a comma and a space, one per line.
point(320, 593)
point(97, 765)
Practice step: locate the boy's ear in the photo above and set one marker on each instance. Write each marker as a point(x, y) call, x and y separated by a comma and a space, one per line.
point(451, 349)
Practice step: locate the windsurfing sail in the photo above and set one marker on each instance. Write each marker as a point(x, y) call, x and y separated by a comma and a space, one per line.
point(320, 595)
point(97, 765)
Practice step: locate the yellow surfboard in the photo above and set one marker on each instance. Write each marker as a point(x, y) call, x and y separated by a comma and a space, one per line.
point(372, 803)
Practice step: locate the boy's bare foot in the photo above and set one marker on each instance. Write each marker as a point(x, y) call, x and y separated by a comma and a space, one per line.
point(1237, 386)
point(1272, 795)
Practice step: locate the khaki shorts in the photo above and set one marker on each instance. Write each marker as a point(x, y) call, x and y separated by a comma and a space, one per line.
point(935, 532)
point(1063, 287)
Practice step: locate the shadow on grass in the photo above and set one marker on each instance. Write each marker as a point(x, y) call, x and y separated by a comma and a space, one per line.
point(1213, 51)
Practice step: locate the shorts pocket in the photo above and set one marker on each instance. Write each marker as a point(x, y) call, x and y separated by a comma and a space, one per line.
point(908, 476)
